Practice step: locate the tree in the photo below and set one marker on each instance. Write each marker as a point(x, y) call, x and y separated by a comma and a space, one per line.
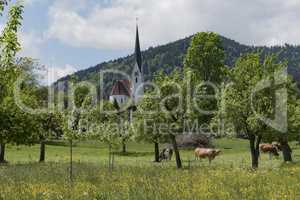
point(147, 125)
point(104, 126)
point(9, 47)
point(169, 104)
point(205, 57)
point(51, 127)
point(18, 126)
point(204, 65)
point(3, 3)
point(73, 126)
point(49, 123)
point(244, 101)
point(293, 124)
point(71, 133)
point(123, 117)
point(295, 120)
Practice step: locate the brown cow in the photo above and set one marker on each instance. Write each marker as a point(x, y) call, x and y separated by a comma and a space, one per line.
point(206, 153)
point(278, 145)
point(272, 149)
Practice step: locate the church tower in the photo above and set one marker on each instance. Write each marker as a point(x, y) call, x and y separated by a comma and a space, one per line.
point(137, 73)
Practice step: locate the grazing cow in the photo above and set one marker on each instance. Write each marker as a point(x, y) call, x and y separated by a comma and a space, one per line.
point(272, 149)
point(206, 153)
point(278, 145)
point(166, 154)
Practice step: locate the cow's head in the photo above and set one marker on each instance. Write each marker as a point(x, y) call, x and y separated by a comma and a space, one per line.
point(167, 151)
point(217, 152)
point(277, 146)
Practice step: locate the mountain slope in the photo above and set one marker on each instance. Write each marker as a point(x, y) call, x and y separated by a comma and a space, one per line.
point(170, 56)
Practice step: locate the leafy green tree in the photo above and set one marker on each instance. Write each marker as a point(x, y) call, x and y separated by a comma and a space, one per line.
point(3, 3)
point(205, 56)
point(169, 110)
point(204, 64)
point(80, 94)
point(8, 71)
point(73, 115)
point(242, 105)
point(51, 128)
point(20, 126)
point(293, 118)
point(124, 123)
point(296, 120)
point(148, 125)
point(104, 126)
point(49, 123)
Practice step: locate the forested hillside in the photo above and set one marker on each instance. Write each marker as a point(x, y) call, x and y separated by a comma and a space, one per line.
point(170, 56)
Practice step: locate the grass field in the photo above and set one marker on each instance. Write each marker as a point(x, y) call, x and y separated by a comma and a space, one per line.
point(135, 176)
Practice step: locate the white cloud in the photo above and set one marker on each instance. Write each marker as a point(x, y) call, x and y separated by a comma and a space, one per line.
point(31, 43)
point(52, 74)
point(110, 24)
point(59, 72)
point(30, 2)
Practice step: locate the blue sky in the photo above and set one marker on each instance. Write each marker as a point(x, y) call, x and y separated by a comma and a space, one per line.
point(69, 35)
point(53, 52)
point(36, 19)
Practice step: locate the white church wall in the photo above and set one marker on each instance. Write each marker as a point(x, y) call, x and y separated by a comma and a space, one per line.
point(137, 80)
point(121, 99)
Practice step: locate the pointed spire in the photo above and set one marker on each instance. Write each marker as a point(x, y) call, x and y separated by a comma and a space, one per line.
point(138, 54)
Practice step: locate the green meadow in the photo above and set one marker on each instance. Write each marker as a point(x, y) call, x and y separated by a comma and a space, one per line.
point(136, 176)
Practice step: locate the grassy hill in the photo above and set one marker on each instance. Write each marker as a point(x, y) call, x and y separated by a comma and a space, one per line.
point(170, 56)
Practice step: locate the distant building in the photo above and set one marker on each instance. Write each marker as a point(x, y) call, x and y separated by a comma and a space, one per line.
point(124, 90)
point(121, 92)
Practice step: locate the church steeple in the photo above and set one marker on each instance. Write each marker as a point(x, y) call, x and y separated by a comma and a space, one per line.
point(138, 54)
point(137, 73)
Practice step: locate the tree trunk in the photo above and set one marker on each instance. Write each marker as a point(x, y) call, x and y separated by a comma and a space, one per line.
point(254, 148)
point(42, 151)
point(110, 157)
point(2, 153)
point(156, 152)
point(124, 147)
point(177, 155)
point(71, 160)
point(286, 152)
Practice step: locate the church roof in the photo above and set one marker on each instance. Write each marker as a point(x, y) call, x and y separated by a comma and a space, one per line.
point(121, 87)
point(138, 54)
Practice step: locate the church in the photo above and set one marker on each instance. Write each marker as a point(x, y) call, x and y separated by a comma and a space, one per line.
point(125, 90)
